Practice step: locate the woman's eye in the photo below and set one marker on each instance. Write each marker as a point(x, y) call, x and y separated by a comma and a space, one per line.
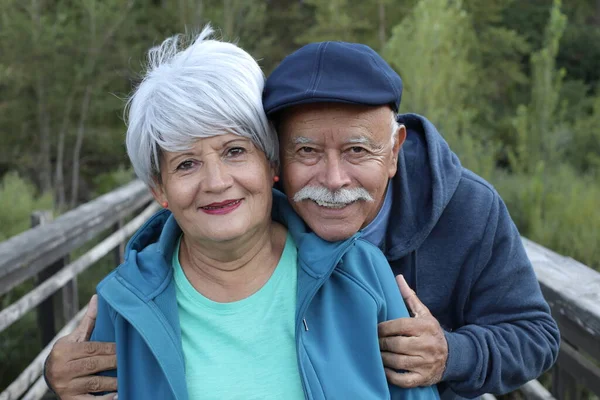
point(236, 151)
point(186, 165)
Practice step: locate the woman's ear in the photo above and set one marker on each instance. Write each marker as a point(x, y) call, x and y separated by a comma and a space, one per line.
point(274, 169)
point(276, 175)
point(159, 194)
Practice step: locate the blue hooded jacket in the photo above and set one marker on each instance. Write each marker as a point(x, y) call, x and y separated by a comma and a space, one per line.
point(451, 236)
point(344, 290)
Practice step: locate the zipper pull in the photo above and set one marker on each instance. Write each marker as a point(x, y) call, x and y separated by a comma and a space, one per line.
point(305, 324)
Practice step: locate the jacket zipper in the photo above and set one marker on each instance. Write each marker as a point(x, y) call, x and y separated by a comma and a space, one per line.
point(302, 321)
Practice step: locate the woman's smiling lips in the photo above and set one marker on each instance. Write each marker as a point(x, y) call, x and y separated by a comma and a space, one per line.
point(221, 208)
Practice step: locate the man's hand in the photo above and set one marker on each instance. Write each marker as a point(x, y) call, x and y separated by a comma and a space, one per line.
point(73, 361)
point(416, 345)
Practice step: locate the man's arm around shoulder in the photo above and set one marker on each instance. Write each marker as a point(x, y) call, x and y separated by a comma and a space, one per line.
point(71, 367)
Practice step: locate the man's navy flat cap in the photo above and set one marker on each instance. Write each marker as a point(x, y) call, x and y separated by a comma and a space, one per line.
point(335, 72)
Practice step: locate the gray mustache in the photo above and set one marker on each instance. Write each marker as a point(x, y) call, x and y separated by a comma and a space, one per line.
point(324, 195)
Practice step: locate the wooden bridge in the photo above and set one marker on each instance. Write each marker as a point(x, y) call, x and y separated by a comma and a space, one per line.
point(43, 252)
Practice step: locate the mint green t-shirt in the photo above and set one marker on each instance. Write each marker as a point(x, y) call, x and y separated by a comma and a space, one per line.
point(244, 349)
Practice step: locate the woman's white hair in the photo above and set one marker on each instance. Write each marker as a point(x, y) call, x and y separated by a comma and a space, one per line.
point(207, 89)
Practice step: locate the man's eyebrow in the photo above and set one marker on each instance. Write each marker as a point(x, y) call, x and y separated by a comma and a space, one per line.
point(366, 141)
point(360, 140)
point(302, 140)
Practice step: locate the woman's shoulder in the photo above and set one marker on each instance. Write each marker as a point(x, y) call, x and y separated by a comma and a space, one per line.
point(367, 263)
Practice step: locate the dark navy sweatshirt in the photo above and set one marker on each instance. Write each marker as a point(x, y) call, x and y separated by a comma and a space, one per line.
point(449, 233)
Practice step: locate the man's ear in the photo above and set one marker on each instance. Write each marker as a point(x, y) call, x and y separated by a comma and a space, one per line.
point(400, 137)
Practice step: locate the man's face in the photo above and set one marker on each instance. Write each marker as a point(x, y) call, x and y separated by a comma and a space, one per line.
point(336, 161)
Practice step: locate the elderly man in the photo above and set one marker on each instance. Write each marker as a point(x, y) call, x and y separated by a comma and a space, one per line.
point(480, 322)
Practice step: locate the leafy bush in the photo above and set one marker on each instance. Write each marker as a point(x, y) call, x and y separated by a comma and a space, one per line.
point(18, 199)
point(557, 208)
point(108, 181)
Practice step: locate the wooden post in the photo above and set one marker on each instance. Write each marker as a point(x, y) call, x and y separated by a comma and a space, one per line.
point(559, 383)
point(119, 251)
point(70, 298)
point(56, 310)
point(45, 311)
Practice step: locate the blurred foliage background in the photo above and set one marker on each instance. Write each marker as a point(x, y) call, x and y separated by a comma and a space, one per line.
point(514, 86)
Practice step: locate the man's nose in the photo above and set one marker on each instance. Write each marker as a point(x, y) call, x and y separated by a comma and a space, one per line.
point(217, 178)
point(335, 175)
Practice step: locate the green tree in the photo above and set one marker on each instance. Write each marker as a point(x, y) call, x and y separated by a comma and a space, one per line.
point(539, 126)
point(436, 52)
point(333, 21)
point(57, 85)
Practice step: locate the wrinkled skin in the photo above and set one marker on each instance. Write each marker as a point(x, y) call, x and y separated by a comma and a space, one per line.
point(416, 345)
point(73, 362)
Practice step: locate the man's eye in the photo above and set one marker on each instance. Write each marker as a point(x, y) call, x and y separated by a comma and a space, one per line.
point(236, 151)
point(357, 150)
point(306, 149)
point(186, 165)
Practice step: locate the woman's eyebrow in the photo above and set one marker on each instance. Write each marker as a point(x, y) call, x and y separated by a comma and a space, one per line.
point(239, 139)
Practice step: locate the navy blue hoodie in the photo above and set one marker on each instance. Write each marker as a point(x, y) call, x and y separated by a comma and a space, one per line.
point(450, 234)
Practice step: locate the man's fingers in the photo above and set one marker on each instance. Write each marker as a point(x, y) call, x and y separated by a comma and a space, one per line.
point(404, 379)
point(84, 330)
point(401, 362)
point(88, 349)
point(93, 384)
point(409, 346)
point(415, 307)
point(404, 327)
point(92, 365)
point(65, 352)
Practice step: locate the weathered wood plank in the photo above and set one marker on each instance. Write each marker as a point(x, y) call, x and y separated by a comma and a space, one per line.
point(533, 390)
point(580, 368)
point(16, 310)
point(571, 289)
point(571, 332)
point(34, 370)
point(24, 255)
point(37, 391)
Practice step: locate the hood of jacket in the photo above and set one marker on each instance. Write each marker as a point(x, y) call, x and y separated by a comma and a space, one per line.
point(428, 175)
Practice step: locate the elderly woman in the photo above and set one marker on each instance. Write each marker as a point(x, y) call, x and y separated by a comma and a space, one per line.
point(221, 297)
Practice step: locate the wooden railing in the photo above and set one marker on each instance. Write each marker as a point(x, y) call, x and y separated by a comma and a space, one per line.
point(571, 289)
point(42, 253)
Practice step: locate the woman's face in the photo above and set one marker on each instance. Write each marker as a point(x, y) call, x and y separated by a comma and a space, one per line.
point(219, 190)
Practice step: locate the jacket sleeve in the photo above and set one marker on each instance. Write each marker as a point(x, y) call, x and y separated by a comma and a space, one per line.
point(509, 336)
point(104, 330)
